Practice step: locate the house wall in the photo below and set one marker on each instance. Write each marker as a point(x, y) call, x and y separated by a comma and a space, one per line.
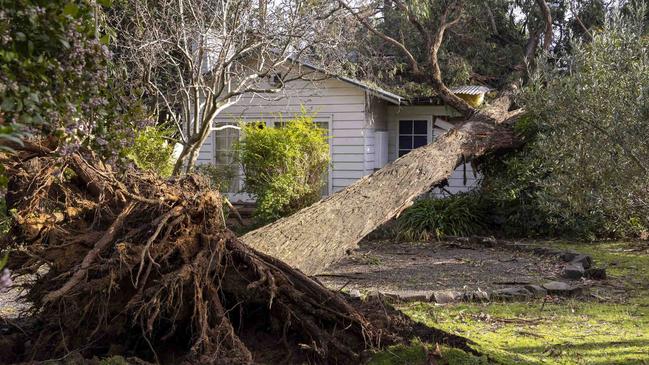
point(342, 104)
point(376, 120)
point(456, 181)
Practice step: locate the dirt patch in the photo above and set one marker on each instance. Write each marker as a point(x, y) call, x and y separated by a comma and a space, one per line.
point(424, 267)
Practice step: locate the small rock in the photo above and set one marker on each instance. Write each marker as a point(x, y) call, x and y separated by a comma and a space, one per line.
point(561, 288)
point(445, 296)
point(391, 296)
point(515, 292)
point(477, 296)
point(568, 256)
point(355, 293)
point(573, 271)
point(536, 290)
point(545, 251)
point(585, 261)
point(414, 296)
point(596, 273)
point(554, 286)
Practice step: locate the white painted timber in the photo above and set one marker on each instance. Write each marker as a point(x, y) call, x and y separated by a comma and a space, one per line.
point(341, 103)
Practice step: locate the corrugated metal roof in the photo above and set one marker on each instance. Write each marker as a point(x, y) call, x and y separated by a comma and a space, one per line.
point(471, 90)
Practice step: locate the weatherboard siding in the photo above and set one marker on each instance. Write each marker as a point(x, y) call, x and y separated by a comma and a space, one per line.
point(340, 103)
point(376, 119)
point(456, 182)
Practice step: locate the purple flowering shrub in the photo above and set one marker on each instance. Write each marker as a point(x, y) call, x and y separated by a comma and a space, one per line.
point(57, 77)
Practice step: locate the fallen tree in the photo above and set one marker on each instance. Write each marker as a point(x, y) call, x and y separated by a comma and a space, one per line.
point(314, 237)
point(320, 234)
point(134, 265)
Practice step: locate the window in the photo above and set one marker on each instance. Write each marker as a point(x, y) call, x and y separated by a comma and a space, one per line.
point(225, 158)
point(412, 134)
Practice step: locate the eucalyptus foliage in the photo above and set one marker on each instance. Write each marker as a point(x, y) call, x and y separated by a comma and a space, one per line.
point(285, 167)
point(586, 168)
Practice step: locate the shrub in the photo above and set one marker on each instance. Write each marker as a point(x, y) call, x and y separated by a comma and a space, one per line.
point(584, 169)
point(152, 151)
point(220, 177)
point(284, 167)
point(458, 215)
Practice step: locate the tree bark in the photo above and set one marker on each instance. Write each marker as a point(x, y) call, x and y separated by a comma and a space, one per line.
point(319, 235)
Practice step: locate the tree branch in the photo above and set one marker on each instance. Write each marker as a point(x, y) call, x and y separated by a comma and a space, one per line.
point(414, 65)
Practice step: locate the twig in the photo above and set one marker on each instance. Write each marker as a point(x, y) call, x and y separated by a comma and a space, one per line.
point(234, 210)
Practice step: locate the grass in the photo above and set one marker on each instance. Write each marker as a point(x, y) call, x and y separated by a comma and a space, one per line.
point(593, 331)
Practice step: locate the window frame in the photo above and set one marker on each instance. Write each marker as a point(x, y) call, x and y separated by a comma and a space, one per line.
point(429, 130)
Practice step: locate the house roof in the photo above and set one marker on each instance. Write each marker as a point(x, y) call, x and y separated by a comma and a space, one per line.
point(372, 89)
point(392, 97)
point(471, 90)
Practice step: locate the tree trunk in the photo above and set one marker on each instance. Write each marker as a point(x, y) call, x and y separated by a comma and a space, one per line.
point(320, 234)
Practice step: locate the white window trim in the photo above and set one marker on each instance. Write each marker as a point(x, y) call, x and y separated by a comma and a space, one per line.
point(429, 129)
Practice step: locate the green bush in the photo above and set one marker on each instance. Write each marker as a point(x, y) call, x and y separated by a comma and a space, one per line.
point(152, 150)
point(284, 167)
point(220, 176)
point(458, 215)
point(584, 169)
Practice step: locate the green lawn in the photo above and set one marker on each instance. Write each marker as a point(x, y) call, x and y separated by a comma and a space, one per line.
point(609, 328)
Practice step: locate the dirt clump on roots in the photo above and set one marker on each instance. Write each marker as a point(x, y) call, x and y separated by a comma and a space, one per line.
point(127, 263)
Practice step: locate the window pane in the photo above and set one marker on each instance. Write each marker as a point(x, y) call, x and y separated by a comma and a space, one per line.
point(405, 127)
point(420, 127)
point(403, 152)
point(405, 142)
point(418, 141)
point(224, 156)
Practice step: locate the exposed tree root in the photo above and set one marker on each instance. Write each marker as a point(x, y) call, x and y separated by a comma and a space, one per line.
point(147, 268)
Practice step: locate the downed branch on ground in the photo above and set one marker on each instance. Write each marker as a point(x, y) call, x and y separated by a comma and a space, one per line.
point(146, 267)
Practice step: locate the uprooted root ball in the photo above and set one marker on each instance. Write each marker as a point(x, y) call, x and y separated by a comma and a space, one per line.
point(131, 264)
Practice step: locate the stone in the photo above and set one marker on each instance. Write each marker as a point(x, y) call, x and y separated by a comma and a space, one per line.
point(390, 296)
point(445, 296)
point(596, 273)
point(574, 271)
point(414, 296)
point(585, 261)
point(556, 286)
point(536, 290)
point(478, 296)
point(355, 293)
point(568, 256)
point(514, 292)
point(561, 288)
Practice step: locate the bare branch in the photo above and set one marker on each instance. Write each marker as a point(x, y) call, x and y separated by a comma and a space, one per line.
point(547, 18)
point(413, 62)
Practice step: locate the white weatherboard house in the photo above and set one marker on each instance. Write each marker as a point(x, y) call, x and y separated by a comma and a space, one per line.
point(369, 127)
